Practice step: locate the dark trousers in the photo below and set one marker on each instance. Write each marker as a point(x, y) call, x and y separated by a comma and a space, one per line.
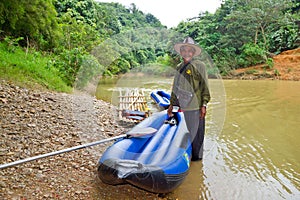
point(196, 127)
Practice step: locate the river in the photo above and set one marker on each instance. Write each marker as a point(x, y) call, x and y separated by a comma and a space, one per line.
point(252, 143)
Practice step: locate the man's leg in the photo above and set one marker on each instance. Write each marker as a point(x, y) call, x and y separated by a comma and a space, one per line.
point(198, 141)
point(196, 127)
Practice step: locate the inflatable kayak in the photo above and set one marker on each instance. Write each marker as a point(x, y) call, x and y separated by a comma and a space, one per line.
point(158, 162)
point(161, 98)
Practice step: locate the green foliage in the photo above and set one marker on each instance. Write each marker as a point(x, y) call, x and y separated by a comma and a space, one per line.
point(156, 69)
point(132, 49)
point(36, 21)
point(11, 44)
point(119, 54)
point(68, 63)
point(284, 38)
point(30, 69)
point(89, 70)
point(10, 12)
point(276, 72)
point(165, 60)
point(86, 38)
point(116, 18)
point(75, 64)
point(226, 60)
point(73, 28)
point(251, 71)
point(251, 54)
point(243, 32)
point(77, 34)
point(163, 66)
point(119, 66)
point(270, 63)
point(80, 10)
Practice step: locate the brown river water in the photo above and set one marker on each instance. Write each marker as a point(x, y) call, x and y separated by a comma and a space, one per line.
point(252, 143)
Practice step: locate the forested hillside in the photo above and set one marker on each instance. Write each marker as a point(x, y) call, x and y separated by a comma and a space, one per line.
point(111, 39)
point(244, 33)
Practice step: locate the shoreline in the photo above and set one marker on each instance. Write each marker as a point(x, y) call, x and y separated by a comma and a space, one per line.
point(36, 122)
point(285, 66)
point(244, 75)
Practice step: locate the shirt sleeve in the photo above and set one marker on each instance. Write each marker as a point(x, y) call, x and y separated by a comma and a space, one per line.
point(202, 77)
point(205, 88)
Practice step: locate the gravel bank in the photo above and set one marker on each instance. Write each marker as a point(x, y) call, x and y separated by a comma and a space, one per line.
point(34, 123)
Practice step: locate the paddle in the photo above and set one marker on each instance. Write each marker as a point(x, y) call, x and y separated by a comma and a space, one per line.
point(135, 132)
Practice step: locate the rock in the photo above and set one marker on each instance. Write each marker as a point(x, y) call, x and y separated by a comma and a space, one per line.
point(27, 171)
point(2, 184)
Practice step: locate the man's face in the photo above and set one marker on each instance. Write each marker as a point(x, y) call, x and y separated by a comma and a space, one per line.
point(187, 53)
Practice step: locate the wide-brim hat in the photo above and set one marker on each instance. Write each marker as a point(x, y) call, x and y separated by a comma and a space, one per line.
point(188, 42)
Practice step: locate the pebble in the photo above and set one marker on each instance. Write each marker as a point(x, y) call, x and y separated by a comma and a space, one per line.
point(2, 184)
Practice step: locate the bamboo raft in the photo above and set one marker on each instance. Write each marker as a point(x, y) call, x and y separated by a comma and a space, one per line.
point(132, 105)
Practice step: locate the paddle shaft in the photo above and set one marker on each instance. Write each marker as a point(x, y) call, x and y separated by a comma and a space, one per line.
point(61, 151)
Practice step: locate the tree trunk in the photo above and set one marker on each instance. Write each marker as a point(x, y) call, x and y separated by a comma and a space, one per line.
point(265, 41)
point(255, 39)
point(264, 37)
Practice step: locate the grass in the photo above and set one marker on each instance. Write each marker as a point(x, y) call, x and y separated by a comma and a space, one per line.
point(32, 70)
point(251, 71)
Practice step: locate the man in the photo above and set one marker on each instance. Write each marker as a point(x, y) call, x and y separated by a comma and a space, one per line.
point(190, 92)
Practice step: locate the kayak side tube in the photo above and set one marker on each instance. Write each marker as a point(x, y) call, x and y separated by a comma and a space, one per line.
point(161, 98)
point(147, 177)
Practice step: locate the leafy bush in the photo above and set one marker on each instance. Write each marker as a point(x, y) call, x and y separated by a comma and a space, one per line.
point(226, 60)
point(285, 38)
point(89, 71)
point(276, 72)
point(77, 65)
point(270, 63)
point(164, 60)
point(251, 54)
point(11, 43)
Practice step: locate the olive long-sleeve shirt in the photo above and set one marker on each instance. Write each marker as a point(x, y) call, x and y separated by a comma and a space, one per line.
point(193, 78)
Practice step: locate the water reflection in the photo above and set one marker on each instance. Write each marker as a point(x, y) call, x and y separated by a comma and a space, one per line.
point(193, 187)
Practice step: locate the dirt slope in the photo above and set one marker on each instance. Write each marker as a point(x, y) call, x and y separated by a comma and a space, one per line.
point(286, 67)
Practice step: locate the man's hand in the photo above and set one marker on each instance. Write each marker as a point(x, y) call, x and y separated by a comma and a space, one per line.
point(169, 111)
point(202, 112)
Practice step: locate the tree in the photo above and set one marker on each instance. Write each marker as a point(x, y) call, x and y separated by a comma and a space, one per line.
point(10, 12)
point(80, 10)
point(244, 32)
point(256, 20)
point(77, 33)
point(35, 21)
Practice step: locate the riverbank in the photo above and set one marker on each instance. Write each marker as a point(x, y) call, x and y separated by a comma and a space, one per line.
point(286, 67)
point(36, 122)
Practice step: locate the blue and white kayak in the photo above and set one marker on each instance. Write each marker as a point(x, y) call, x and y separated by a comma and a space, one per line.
point(161, 98)
point(157, 163)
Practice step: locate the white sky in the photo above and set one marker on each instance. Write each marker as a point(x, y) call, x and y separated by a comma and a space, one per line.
point(171, 12)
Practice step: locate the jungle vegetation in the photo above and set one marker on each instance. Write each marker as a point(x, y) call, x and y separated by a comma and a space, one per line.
point(67, 39)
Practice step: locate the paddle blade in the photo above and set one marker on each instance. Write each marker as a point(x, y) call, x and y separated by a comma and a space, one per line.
point(141, 132)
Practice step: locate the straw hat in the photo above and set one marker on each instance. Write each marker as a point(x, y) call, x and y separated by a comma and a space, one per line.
point(188, 42)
